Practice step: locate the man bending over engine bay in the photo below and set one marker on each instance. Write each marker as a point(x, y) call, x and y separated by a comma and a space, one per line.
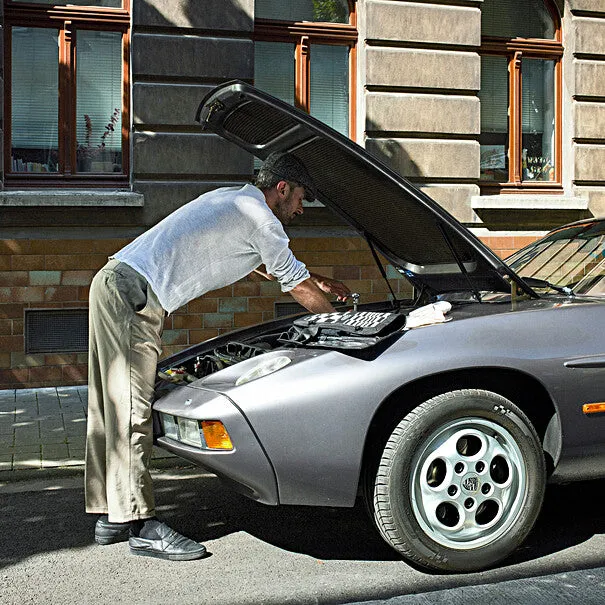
point(207, 244)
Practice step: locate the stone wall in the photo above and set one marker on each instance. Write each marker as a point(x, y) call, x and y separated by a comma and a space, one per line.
point(422, 74)
point(586, 35)
point(180, 50)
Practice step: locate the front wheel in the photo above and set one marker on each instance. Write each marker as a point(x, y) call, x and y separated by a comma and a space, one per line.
point(460, 482)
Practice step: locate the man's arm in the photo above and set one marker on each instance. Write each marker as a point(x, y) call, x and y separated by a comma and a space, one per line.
point(308, 294)
point(325, 284)
point(260, 271)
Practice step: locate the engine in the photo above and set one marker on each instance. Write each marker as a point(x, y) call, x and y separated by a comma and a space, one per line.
point(349, 331)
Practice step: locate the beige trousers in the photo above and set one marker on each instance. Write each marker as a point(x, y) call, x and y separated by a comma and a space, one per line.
point(125, 327)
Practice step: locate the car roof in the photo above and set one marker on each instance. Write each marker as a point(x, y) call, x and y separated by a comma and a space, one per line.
point(428, 245)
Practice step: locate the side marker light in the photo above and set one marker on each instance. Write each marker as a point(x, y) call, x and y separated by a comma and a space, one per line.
point(594, 408)
point(216, 435)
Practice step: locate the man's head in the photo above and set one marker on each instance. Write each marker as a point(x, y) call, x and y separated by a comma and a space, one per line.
point(281, 166)
point(285, 181)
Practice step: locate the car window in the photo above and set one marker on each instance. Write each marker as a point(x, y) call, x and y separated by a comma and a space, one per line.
point(572, 257)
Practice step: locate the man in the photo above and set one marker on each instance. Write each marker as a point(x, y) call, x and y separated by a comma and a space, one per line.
point(207, 244)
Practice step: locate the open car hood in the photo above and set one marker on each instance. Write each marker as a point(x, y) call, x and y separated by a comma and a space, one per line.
point(429, 246)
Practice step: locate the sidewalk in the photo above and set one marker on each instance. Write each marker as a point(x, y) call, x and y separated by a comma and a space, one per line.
point(43, 432)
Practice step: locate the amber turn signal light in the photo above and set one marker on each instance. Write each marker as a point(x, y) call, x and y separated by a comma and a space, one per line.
point(216, 435)
point(594, 408)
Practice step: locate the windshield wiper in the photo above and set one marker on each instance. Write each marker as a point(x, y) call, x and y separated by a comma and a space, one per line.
point(534, 282)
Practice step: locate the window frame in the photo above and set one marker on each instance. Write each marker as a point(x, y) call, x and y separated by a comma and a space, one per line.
point(515, 50)
point(67, 20)
point(303, 34)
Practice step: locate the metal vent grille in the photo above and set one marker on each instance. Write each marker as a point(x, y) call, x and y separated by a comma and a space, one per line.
point(282, 309)
point(287, 308)
point(56, 331)
point(257, 124)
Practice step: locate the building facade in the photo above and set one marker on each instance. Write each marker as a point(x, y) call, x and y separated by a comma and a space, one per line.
point(496, 108)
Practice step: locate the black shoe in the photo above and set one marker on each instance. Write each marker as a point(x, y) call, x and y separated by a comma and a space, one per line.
point(169, 544)
point(111, 533)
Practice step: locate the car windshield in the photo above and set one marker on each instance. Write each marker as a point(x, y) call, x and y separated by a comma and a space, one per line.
point(572, 257)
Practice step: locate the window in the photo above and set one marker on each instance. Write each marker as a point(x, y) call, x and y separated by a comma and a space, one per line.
point(520, 95)
point(304, 54)
point(66, 92)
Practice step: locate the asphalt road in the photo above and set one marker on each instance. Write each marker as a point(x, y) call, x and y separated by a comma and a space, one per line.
point(278, 556)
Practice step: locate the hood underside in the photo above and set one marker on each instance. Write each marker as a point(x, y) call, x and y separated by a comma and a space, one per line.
point(409, 228)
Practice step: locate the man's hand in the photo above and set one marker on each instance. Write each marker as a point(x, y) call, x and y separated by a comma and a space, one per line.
point(331, 286)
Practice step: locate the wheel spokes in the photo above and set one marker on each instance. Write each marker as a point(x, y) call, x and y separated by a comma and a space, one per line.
point(468, 482)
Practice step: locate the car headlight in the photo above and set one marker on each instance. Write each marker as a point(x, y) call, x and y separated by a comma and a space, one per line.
point(263, 368)
point(203, 434)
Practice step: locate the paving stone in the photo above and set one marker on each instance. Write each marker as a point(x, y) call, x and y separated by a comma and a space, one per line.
point(77, 453)
point(26, 461)
point(6, 462)
point(7, 425)
point(26, 413)
point(75, 425)
point(6, 442)
point(76, 443)
point(25, 416)
point(28, 434)
point(54, 451)
point(7, 406)
point(7, 395)
point(45, 392)
point(21, 394)
point(25, 424)
point(50, 438)
point(46, 429)
point(83, 393)
point(32, 448)
point(49, 408)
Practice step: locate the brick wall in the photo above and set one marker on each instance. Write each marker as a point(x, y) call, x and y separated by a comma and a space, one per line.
point(44, 274)
point(504, 246)
point(50, 274)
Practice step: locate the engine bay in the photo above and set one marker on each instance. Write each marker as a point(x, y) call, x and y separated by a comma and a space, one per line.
point(347, 331)
point(359, 333)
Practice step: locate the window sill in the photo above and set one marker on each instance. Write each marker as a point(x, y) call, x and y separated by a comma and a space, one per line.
point(528, 202)
point(542, 212)
point(71, 198)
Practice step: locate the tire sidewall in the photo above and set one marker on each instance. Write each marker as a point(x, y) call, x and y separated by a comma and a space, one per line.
point(412, 434)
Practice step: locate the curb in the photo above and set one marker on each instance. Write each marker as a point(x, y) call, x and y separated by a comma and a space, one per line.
point(28, 474)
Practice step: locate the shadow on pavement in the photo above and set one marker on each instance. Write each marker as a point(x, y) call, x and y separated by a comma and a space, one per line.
point(51, 518)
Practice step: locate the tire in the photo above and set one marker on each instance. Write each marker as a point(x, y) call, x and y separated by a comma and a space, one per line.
point(460, 482)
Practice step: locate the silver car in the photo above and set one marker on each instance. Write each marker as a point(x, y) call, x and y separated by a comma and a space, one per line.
point(446, 414)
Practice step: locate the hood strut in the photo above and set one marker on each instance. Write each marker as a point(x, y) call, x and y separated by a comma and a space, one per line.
point(459, 262)
point(395, 301)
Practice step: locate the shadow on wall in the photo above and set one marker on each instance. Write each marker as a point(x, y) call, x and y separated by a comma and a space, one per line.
point(208, 15)
point(391, 152)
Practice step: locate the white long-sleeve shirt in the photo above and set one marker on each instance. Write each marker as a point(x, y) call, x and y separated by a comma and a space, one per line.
point(210, 243)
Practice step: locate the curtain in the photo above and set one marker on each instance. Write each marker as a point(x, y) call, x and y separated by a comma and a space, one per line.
point(516, 18)
point(274, 69)
point(330, 86)
point(99, 88)
point(494, 94)
point(34, 99)
point(98, 99)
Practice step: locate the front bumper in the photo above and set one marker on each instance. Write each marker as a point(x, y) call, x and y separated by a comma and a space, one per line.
point(246, 467)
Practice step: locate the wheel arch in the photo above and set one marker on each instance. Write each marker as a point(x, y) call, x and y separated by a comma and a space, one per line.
point(528, 393)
